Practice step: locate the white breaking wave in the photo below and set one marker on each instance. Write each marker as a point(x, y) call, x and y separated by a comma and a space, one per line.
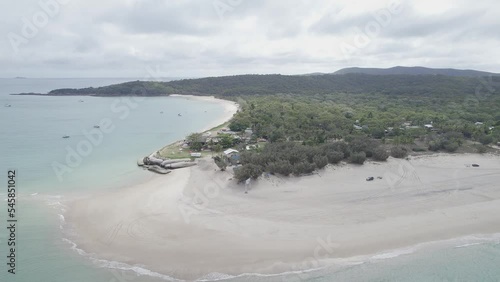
point(216, 276)
point(394, 253)
point(468, 245)
point(62, 220)
point(139, 270)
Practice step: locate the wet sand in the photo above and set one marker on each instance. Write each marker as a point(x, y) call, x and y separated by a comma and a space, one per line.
point(197, 221)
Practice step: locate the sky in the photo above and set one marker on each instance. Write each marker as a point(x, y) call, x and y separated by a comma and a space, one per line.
point(198, 38)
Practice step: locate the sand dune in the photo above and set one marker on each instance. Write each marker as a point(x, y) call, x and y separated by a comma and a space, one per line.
point(196, 221)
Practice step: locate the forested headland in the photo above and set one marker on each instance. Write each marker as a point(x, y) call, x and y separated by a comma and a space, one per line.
point(310, 121)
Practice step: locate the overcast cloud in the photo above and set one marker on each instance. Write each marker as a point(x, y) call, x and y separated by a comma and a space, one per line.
point(193, 38)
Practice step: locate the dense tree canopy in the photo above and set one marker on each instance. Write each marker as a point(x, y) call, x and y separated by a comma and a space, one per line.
point(305, 117)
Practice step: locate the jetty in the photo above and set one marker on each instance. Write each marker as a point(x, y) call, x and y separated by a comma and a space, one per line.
point(160, 165)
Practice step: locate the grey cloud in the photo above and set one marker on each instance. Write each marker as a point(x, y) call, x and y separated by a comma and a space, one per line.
point(191, 38)
point(157, 16)
point(332, 23)
point(411, 24)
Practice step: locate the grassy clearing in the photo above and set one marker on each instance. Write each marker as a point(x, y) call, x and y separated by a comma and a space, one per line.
point(175, 150)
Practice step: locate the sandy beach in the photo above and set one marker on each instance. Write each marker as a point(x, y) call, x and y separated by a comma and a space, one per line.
point(230, 108)
point(197, 221)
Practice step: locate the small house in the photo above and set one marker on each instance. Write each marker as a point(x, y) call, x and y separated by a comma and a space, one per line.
point(232, 156)
point(251, 147)
point(230, 152)
point(248, 132)
point(213, 140)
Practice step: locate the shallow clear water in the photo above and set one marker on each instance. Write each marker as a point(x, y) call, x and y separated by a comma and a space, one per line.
point(30, 141)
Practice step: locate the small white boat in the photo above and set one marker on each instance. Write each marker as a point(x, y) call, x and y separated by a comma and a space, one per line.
point(7, 105)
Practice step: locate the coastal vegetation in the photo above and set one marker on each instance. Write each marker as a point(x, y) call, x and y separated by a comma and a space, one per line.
point(368, 125)
point(311, 121)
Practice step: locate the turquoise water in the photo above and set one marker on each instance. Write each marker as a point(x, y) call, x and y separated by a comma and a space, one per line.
point(31, 143)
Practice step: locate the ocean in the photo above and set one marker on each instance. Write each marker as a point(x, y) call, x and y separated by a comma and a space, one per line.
point(48, 173)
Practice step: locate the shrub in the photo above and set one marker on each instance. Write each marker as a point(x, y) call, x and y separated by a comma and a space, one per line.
point(281, 167)
point(244, 172)
point(238, 125)
point(398, 152)
point(338, 146)
point(378, 133)
point(303, 168)
point(320, 161)
point(272, 168)
point(227, 140)
point(486, 139)
point(363, 144)
point(220, 162)
point(435, 145)
point(357, 158)
point(418, 149)
point(195, 141)
point(311, 153)
point(481, 149)
point(334, 157)
point(451, 146)
point(380, 154)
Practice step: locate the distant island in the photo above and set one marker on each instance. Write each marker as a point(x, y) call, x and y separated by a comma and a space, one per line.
point(398, 80)
point(334, 117)
point(416, 71)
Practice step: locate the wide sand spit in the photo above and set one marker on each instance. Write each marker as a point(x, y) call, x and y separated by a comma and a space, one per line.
point(198, 220)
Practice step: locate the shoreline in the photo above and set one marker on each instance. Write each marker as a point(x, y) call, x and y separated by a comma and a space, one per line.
point(334, 265)
point(230, 108)
point(197, 222)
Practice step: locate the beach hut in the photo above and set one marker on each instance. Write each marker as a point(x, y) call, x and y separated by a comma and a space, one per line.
point(248, 132)
point(232, 156)
point(229, 152)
